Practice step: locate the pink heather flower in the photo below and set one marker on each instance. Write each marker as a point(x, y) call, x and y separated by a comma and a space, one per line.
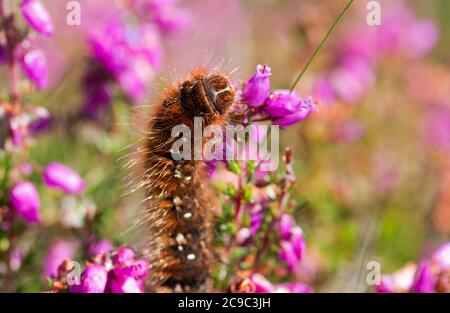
point(93, 279)
point(291, 251)
point(349, 131)
point(37, 16)
point(400, 281)
point(101, 246)
point(257, 88)
point(137, 269)
point(304, 110)
point(442, 256)
point(323, 90)
point(422, 37)
point(16, 259)
point(34, 65)
point(292, 288)
point(126, 284)
point(123, 257)
point(129, 54)
point(425, 280)
point(57, 253)
point(3, 54)
point(61, 177)
point(243, 235)
point(167, 16)
point(26, 202)
point(285, 226)
point(262, 285)
point(436, 130)
point(281, 103)
point(256, 219)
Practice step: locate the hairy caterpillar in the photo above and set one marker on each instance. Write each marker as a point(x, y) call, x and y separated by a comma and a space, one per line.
point(179, 208)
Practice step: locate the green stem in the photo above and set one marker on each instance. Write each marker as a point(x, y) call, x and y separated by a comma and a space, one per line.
point(321, 44)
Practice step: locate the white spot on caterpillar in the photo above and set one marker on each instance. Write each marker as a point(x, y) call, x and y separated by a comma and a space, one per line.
point(190, 257)
point(187, 179)
point(180, 248)
point(177, 174)
point(180, 239)
point(187, 215)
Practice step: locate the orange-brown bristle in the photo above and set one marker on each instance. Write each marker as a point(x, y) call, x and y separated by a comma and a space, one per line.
point(179, 206)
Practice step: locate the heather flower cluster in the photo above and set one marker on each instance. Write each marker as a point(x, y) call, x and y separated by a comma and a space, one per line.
point(431, 274)
point(282, 107)
point(128, 55)
point(360, 51)
point(116, 271)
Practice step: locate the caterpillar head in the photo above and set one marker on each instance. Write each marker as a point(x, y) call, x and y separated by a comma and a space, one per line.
point(206, 95)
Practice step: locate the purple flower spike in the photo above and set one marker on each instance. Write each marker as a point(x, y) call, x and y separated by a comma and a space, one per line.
point(93, 279)
point(61, 177)
point(37, 16)
point(25, 201)
point(34, 65)
point(257, 88)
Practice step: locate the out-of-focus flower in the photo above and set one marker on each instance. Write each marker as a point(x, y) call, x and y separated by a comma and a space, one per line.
point(262, 285)
point(323, 90)
point(129, 54)
point(25, 201)
point(98, 247)
point(256, 219)
point(286, 225)
point(57, 253)
point(126, 284)
point(123, 257)
point(93, 279)
point(37, 16)
point(292, 288)
point(422, 37)
point(442, 256)
point(349, 131)
point(34, 64)
point(15, 260)
point(436, 130)
point(243, 235)
point(400, 281)
point(3, 54)
point(257, 88)
point(424, 281)
point(167, 15)
point(59, 176)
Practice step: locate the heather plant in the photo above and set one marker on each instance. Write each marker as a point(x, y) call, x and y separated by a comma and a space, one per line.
point(363, 175)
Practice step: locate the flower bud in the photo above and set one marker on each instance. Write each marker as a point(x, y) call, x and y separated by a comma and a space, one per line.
point(257, 88)
point(34, 64)
point(59, 176)
point(26, 202)
point(37, 16)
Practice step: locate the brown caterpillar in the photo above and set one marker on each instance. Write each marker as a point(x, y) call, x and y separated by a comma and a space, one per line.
point(179, 207)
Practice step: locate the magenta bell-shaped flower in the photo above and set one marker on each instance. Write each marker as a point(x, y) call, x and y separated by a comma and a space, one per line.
point(257, 88)
point(26, 202)
point(34, 65)
point(93, 279)
point(61, 177)
point(37, 16)
point(305, 108)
